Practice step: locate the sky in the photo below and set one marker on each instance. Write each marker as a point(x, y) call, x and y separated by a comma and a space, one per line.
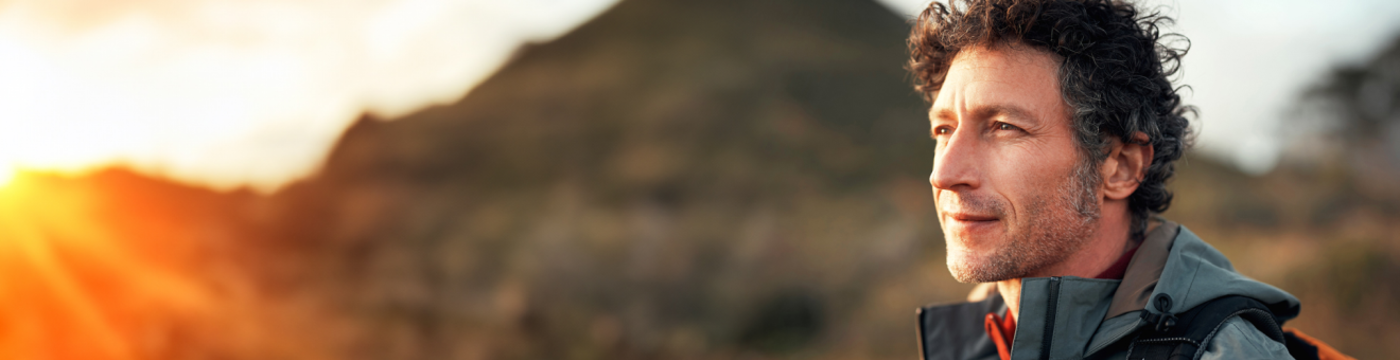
point(229, 93)
point(1251, 59)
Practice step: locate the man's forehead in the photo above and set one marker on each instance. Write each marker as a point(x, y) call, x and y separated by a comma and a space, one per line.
point(999, 80)
point(1003, 57)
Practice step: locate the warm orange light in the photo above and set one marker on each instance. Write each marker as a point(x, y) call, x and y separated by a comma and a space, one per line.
point(73, 286)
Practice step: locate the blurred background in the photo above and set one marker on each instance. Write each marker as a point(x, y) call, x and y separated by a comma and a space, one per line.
point(601, 179)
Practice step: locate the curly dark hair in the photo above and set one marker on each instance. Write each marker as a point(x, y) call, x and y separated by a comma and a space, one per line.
point(1114, 73)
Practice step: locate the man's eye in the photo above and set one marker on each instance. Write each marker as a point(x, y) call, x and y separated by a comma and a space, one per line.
point(942, 131)
point(1005, 126)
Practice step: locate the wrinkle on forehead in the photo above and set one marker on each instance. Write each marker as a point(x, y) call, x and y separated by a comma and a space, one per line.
point(976, 85)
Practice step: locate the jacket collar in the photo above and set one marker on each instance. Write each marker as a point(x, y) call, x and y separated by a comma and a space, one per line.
point(1175, 263)
point(1144, 270)
point(1092, 314)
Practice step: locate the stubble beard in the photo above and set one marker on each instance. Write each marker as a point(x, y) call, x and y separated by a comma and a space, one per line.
point(1057, 225)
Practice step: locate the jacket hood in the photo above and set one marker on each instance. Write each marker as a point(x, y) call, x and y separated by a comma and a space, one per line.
point(1189, 273)
point(1172, 272)
point(1174, 264)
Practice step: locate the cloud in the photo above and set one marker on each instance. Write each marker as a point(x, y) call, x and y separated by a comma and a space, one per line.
point(239, 92)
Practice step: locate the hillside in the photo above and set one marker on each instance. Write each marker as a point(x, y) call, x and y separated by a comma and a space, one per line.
point(672, 178)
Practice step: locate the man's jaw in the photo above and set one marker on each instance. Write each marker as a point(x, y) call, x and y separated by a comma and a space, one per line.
point(980, 260)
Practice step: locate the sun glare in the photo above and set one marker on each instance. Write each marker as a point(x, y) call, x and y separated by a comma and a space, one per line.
point(78, 279)
point(7, 174)
point(213, 92)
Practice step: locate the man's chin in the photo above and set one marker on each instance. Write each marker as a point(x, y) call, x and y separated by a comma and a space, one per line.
point(972, 269)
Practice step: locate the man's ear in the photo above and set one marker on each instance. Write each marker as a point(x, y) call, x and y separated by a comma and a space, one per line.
point(1125, 166)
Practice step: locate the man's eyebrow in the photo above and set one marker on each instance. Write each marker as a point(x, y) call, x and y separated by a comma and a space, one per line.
point(1010, 111)
point(944, 114)
point(985, 112)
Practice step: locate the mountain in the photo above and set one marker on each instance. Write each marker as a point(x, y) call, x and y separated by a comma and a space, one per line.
point(673, 178)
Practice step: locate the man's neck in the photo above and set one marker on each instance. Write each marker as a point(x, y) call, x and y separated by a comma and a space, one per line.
point(1108, 244)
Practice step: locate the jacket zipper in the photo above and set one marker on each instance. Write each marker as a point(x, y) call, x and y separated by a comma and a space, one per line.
point(1046, 340)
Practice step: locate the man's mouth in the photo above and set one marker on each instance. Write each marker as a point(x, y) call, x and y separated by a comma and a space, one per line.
point(970, 223)
point(969, 215)
point(972, 217)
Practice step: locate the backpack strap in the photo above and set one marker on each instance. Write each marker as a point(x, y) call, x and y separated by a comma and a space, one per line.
point(1184, 336)
point(1304, 347)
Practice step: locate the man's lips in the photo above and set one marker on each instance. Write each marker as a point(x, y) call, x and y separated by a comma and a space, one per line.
point(964, 217)
point(973, 225)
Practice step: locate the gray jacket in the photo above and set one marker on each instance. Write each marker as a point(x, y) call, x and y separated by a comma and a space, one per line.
point(1098, 319)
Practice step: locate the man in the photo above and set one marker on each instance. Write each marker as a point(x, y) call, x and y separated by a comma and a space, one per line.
point(1056, 129)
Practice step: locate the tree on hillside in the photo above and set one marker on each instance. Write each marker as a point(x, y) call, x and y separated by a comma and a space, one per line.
point(1350, 121)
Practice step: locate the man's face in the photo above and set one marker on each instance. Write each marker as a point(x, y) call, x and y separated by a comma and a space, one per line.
point(1013, 195)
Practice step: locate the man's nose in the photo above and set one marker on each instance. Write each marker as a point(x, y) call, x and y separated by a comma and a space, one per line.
point(956, 163)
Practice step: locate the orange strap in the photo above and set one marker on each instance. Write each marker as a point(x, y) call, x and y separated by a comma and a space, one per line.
point(1324, 351)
